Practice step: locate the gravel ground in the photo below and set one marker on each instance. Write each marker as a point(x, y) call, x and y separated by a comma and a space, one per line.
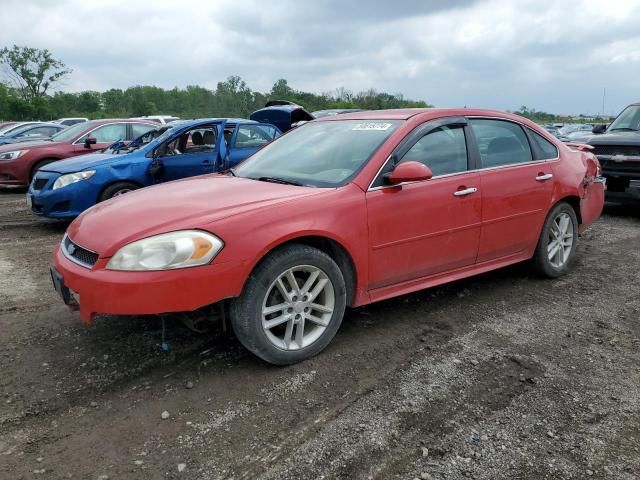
point(501, 376)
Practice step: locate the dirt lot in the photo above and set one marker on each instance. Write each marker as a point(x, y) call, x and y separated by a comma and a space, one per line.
point(500, 376)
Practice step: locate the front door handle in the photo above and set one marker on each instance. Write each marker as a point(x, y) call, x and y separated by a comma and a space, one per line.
point(465, 192)
point(543, 177)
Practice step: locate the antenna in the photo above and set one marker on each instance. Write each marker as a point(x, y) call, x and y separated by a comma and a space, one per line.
point(604, 96)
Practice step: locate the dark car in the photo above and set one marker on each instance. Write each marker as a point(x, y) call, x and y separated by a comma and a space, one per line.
point(618, 149)
point(19, 162)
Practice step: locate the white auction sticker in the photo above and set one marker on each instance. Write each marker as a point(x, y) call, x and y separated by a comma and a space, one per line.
point(372, 126)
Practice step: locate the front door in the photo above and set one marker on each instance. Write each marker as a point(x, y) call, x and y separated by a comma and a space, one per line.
point(428, 227)
point(193, 152)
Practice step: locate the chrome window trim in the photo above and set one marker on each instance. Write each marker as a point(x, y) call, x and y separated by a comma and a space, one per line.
point(499, 167)
point(75, 260)
point(75, 142)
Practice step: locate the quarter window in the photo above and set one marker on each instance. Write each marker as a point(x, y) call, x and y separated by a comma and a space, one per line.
point(547, 148)
point(500, 143)
point(443, 150)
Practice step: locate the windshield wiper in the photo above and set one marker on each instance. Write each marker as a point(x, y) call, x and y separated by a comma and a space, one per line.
point(284, 181)
point(623, 129)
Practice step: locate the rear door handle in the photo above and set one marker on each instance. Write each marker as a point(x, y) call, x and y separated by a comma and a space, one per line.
point(544, 177)
point(465, 192)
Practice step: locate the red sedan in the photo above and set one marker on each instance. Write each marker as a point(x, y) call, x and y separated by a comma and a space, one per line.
point(342, 211)
point(20, 161)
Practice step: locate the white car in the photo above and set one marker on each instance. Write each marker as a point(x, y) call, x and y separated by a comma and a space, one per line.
point(161, 119)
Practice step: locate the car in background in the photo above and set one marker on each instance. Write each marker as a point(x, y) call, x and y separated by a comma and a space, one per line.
point(341, 211)
point(283, 114)
point(68, 121)
point(161, 119)
point(575, 127)
point(5, 125)
point(66, 188)
point(32, 131)
point(335, 111)
point(618, 149)
point(552, 129)
point(19, 162)
point(12, 126)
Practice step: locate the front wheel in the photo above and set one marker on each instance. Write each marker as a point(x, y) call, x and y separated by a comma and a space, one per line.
point(291, 306)
point(117, 189)
point(558, 240)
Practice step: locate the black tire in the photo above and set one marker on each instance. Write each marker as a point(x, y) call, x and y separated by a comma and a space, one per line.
point(117, 189)
point(246, 310)
point(541, 261)
point(39, 165)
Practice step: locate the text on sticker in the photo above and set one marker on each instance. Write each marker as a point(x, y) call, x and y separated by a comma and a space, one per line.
point(372, 126)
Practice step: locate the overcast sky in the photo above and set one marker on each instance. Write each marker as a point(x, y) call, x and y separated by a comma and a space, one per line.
point(556, 56)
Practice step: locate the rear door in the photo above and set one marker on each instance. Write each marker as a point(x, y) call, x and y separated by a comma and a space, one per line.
point(517, 188)
point(428, 227)
point(248, 138)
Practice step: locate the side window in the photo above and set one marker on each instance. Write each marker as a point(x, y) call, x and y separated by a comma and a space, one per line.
point(501, 143)
point(547, 148)
point(140, 129)
point(107, 133)
point(443, 150)
point(251, 136)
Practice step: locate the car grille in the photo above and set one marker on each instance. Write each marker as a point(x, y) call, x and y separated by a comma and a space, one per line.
point(39, 183)
point(612, 150)
point(77, 254)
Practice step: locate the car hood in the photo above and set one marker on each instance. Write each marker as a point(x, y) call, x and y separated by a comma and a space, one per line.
point(193, 203)
point(616, 138)
point(27, 145)
point(82, 162)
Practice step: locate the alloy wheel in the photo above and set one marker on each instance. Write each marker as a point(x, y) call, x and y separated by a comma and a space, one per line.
point(560, 240)
point(298, 307)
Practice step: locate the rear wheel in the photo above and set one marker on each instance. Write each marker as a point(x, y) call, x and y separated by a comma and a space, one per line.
point(291, 306)
point(117, 189)
point(558, 240)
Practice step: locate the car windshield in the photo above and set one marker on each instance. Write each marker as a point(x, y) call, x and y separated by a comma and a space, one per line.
point(71, 132)
point(319, 154)
point(629, 119)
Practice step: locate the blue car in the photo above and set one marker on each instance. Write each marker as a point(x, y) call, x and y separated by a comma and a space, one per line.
point(29, 132)
point(66, 188)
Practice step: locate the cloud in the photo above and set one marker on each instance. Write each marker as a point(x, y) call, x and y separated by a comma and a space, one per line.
point(553, 56)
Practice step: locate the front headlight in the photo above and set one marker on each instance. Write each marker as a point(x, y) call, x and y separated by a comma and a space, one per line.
point(186, 248)
point(12, 155)
point(70, 178)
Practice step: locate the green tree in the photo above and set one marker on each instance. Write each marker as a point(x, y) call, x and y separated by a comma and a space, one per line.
point(32, 71)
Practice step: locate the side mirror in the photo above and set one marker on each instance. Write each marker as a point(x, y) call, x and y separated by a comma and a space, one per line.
point(409, 171)
point(598, 129)
point(90, 141)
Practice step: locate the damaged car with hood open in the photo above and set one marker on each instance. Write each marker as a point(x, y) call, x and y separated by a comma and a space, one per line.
point(66, 188)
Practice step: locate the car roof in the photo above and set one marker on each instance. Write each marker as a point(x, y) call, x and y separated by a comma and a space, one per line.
point(426, 113)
